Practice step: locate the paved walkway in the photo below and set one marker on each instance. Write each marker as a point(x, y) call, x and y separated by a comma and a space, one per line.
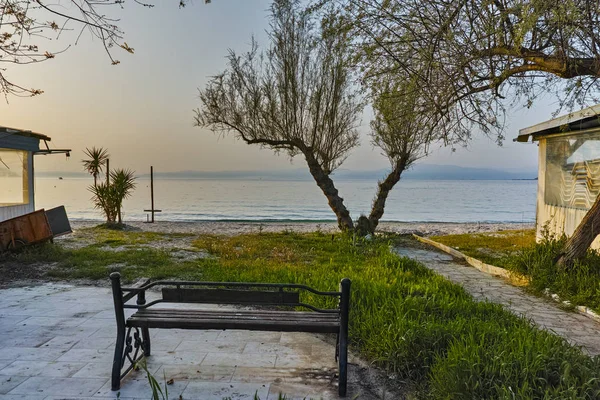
point(56, 342)
point(577, 329)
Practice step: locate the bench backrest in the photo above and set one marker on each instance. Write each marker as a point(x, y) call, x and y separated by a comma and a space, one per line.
point(230, 296)
point(278, 294)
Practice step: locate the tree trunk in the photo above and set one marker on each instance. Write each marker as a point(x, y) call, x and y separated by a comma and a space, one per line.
point(383, 190)
point(327, 186)
point(578, 244)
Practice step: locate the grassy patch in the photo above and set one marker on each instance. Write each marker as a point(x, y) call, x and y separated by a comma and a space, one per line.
point(113, 237)
point(403, 318)
point(91, 262)
point(579, 284)
point(494, 248)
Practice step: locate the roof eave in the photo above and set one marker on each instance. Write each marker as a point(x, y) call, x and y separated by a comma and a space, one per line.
point(21, 132)
point(581, 120)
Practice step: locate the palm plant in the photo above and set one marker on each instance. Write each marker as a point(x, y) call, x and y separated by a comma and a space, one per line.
point(108, 196)
point(96, 161)
point(123, 184)
point(105, 199)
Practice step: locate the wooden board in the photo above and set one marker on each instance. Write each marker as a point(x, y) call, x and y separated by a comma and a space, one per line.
point(25, 229)
point(229, 296)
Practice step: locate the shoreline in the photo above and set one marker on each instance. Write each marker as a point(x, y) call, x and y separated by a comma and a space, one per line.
point(232, 227)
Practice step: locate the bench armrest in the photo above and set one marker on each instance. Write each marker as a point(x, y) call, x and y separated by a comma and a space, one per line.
point(140, 294)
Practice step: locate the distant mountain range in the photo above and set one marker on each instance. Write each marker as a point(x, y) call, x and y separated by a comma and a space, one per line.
point(420, 171)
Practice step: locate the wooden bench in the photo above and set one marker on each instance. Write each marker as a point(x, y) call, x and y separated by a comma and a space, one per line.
point(133, 338)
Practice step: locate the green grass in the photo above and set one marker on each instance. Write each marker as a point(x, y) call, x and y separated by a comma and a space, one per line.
point(118, 237)
point(579, 284)
point(95, 261)
point(404, 317)
point(496, 248)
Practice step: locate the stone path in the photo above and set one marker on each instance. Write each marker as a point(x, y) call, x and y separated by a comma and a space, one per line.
point(57, 342)
point(577, 329)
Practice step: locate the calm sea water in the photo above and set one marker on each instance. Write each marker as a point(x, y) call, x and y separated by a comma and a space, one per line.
point(411, 200)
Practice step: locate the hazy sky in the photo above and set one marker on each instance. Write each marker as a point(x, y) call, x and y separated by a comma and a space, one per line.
point(141, 110)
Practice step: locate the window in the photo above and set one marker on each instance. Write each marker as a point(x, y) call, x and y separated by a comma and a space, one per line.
point(14, 186)
point(573, 171)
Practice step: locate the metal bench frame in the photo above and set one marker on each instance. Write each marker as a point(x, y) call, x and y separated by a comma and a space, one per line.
point(133, 337)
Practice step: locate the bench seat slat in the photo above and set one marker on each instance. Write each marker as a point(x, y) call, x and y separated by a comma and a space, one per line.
point(291, 321)
point(269, 315)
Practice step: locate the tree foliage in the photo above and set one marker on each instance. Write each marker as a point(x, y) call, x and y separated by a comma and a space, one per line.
point(468, 55)
point(403, 135)
point(297, 96)
point(31, 29)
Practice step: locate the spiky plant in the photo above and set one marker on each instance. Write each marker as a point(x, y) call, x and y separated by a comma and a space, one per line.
point(123, 183)
point(105, 199)
point(95, 162)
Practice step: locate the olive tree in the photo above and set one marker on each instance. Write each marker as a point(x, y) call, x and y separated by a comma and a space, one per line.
point(296, 97)
point(476, 57)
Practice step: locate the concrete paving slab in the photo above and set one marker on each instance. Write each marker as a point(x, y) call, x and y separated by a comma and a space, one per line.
point(31, 353)
point(20, 397)
point(195, 372)
point(87, 355)
point(316, 377)
point(136, 386)
point(218, 391)
point(9, 382)
point(55, 369)
point(301, 392)
point(211, 346)
point(78, 387)
point(237, 360)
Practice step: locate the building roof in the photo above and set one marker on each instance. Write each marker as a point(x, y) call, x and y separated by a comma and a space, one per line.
point(6, 131)
point(581, 120)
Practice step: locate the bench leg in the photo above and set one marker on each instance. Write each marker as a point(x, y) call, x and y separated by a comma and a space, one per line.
point(118, 360)
point(343, 336)
point(343, 364)
point(146, 341)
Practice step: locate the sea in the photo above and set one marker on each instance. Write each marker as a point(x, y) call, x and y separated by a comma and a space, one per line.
point(301, 200)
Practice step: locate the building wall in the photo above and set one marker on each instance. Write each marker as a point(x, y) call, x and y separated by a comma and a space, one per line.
point(8, 212)
point(557, 220)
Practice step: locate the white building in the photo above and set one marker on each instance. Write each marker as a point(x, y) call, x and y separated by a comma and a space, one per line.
point(17, 148)
point(568, 169)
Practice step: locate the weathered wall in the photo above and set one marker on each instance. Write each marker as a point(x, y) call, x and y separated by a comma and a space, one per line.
point(558, 220)
point(8, 212)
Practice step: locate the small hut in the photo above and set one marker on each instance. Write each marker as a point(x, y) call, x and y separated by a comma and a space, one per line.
point(568, 169)
point(17, 148)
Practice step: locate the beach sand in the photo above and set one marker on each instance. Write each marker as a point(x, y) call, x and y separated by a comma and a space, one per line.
point(239, 227)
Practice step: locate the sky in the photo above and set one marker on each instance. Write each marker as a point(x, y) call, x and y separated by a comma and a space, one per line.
point(142, 109)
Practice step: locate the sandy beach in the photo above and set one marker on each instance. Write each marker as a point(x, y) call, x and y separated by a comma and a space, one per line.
point(241, 227)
